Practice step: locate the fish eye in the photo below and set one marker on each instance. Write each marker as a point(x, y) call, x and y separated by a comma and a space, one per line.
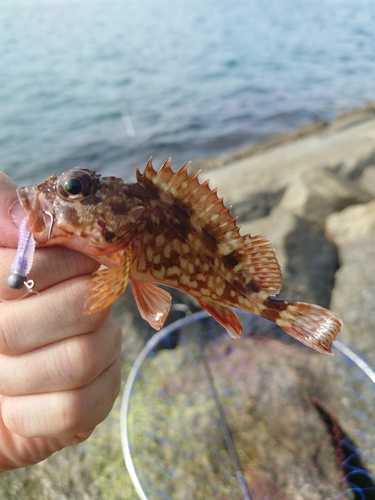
point(75, 184)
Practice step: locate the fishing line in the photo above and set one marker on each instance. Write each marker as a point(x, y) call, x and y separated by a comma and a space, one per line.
point(223, 421)
point(129, 386)
point(127, 122)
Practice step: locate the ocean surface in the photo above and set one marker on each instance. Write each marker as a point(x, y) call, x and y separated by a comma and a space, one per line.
point(107, 83)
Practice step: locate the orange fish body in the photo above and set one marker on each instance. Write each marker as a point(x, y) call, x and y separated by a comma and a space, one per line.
point(168, 228)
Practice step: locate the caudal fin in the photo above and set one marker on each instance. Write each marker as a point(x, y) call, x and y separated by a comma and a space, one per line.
point(312, 325)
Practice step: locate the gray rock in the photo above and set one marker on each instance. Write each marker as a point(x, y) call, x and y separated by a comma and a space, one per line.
point(353, 296)
point(258, 205)
point(367, 180)
point(307, 258)
point(317, 193)
point(353, 222)
point(349, 149)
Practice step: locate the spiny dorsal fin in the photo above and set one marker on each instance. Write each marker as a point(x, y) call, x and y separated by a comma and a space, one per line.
point(199, 198)
point(256, 255)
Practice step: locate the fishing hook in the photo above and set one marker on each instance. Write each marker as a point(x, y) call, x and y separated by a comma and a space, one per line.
point(52, 223)
point(29, 285)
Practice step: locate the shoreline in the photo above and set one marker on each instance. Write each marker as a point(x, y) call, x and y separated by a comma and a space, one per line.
point(344, 147)
point(347, 119)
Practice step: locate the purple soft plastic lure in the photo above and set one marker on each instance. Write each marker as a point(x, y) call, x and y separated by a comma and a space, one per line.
point(24, 258)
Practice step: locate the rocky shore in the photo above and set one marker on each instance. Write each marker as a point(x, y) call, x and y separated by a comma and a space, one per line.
point(313, 192)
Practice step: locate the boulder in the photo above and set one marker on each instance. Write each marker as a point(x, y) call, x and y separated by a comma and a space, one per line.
point(257, 205)
point(307, 258)
point(353, 222)
point(317, 193)
point(367, 180)
point(353, 296)
point(346, 149)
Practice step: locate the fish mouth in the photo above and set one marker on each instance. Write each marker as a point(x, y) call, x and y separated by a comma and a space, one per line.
point(39, 212)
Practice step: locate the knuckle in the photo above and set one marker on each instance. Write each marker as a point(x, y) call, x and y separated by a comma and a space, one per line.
point(10, 417)
point(116, 386)
point(73, 413)
point(8, 329)
point(17, 417)
point(79, 361)
point(113, 335)
point(8, 387)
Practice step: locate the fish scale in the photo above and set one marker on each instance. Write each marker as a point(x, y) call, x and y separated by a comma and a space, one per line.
point(168, 228)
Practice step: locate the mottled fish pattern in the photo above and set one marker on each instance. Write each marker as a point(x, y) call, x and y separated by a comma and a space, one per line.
point(169, 228)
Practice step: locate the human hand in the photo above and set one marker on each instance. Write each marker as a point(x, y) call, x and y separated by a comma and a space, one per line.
point(59, 368)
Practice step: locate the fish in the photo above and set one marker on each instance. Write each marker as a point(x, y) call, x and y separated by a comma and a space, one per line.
point(168, 228)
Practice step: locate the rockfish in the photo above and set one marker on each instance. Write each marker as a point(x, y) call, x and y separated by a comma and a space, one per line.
point(168, 228)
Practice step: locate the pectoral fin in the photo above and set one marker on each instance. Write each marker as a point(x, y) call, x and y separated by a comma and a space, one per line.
point(153, 302)
point(225, 316)
point(108, 284)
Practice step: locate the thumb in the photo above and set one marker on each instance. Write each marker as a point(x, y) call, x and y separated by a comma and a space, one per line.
point(8, 198)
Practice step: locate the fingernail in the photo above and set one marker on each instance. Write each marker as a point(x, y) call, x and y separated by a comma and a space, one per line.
point(16, 213)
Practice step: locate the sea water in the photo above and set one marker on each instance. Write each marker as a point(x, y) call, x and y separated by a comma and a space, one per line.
point(107, 83)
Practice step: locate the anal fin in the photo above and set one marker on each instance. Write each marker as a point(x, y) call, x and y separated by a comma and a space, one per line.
point(108, 284)
point(153, 302)
point(225, 316)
